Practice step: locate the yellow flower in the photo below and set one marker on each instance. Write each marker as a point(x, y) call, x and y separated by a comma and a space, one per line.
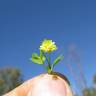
point(48, 46)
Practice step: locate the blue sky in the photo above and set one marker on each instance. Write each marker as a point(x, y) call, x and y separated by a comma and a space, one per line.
point(25, 23)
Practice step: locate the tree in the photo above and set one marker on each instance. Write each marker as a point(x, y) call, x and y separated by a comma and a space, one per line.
point(9, 79)
point(92, 90)
point(94, 82)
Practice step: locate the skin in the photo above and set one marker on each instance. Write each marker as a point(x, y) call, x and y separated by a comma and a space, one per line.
point(43, 85)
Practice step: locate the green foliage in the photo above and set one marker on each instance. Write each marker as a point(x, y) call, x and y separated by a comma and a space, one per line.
point(46, 48)
point(48, 69)
point(94, 79)
point(59, 58)
point(92, 90)
point(89, 92)
point(9, 79)
point(38, 59)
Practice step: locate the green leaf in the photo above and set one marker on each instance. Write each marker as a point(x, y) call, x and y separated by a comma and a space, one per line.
point(37, 59)
point(59, 58)
point(41, 56)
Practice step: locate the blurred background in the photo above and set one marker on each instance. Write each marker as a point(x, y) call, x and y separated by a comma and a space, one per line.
point(24, 24)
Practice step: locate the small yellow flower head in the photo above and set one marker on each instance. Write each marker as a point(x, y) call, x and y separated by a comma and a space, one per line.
point(48, 46)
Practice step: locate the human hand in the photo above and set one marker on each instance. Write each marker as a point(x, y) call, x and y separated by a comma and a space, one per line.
point(43, 85)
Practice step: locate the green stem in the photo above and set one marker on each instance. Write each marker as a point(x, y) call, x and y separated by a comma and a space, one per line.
point(45, 67)
point(52, 67)
point(47, 60)
point(49, 70)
